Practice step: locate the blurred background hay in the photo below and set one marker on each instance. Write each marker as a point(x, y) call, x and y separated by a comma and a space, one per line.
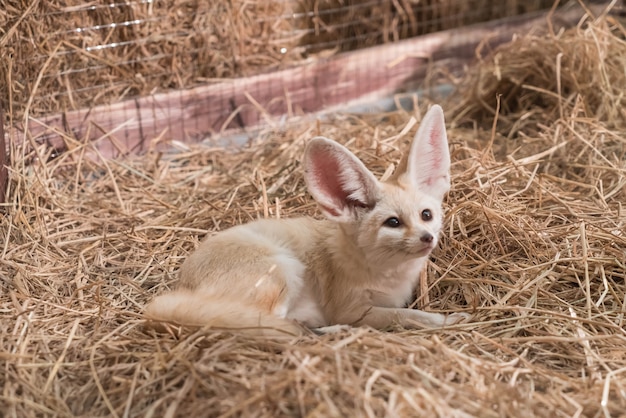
point(77, 54)
point(534, 247)
point(353, 24)
point(577, 71)
point(66, 55)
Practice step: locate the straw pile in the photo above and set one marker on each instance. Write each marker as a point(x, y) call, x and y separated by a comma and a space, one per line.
point(534, 247)
point(66, 55)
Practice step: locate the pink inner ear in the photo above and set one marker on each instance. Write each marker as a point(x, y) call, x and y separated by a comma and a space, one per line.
point(435, 133)
point(429, 159)
point(325, 174)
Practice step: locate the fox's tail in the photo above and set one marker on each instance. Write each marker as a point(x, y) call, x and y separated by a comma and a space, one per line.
point(188, 308)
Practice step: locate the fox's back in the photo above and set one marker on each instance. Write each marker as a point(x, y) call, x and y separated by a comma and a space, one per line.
point(232, 253)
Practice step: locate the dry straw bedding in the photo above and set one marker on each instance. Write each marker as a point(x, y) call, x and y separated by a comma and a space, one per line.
point(534, 248)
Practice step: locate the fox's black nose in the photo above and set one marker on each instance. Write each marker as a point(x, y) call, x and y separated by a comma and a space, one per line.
point(426, 238)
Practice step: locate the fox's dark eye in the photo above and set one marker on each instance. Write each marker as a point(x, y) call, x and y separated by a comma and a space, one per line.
point(427, 215)
point(393, 222)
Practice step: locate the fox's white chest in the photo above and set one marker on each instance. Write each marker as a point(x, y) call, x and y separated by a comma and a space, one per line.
point(397, 285)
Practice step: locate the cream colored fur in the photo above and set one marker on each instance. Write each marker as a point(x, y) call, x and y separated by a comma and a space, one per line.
point(355, 268)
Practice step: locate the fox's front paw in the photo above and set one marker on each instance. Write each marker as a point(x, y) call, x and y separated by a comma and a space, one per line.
point(456, 318)
point(331, 329)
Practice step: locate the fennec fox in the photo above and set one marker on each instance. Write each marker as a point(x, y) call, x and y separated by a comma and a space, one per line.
point(357, 267)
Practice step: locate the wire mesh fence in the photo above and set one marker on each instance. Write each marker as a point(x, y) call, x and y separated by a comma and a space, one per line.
point(67, 54)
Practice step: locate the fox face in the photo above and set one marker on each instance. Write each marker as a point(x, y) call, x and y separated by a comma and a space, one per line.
point(400, 228)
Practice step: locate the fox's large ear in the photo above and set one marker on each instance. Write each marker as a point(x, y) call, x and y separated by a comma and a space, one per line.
point(428, 162)
point(338, 180)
